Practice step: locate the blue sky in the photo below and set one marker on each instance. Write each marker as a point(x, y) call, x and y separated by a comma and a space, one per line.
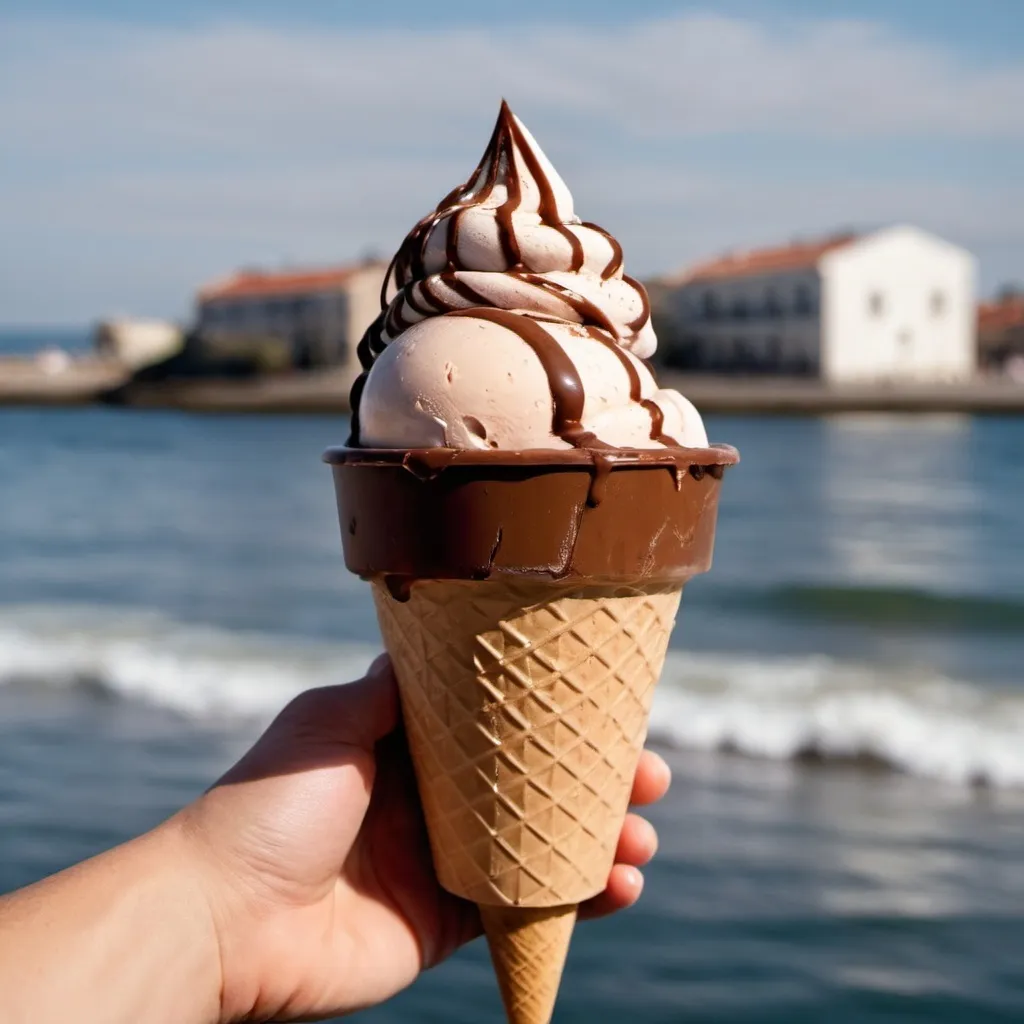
point(147, 148)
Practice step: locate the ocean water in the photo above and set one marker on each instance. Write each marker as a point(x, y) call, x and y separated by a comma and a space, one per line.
point(843, 703)
point(27, 340)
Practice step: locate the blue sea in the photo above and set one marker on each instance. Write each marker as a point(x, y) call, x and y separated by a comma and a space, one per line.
point(843, 704)
point(25, 341)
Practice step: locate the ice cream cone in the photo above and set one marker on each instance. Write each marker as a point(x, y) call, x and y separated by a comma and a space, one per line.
point(528, 949)
point(526, 601)
point(526, 708)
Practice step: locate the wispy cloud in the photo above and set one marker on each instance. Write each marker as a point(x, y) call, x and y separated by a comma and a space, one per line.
point(229, 142)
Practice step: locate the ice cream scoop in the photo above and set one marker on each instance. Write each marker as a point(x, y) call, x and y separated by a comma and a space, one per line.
point(508, 323)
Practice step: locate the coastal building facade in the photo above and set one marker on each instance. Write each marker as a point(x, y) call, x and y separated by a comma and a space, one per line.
point(315, 316)
point(1001, 333)
point(895, 304)
point(134, 342)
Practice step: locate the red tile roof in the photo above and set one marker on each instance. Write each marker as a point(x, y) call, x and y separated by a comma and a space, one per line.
point(999, 315)
point(765, 261)
point(248, 283)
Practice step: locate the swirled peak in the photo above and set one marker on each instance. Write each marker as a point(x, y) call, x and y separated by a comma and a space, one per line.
point(503, 277)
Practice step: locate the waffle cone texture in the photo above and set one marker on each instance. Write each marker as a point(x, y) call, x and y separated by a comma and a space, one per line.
point(528, 949)
point(526, 708)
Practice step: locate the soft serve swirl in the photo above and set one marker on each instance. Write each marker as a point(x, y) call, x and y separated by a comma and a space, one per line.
point(502, 290)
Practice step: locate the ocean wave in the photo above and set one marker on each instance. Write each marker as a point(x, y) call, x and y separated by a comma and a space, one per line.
point(196, 670)
point(886, 607)
point(807, 708)
point(817, 708)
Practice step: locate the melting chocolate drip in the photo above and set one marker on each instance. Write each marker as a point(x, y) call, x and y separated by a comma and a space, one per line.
point(567, 397)
point(602, 468)
point(657, 422)
point(593, 316)
point(399, 587)
point(635, 388)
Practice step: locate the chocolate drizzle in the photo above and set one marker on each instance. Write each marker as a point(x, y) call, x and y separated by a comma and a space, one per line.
point(547, 207)
point(419, 285)
point(567, 396)
point(463, 290)
point(636, 389)
point(645, 311)
point(588, 312)
point(615, 263)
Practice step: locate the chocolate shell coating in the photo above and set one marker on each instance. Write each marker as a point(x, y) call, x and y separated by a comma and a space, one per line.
point(579, 516)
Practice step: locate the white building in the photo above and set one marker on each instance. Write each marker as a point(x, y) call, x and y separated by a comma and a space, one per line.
point(320, 314)
point(895, 304)
point(138, 343)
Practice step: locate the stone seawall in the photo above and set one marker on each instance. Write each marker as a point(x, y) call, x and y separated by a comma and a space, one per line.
point(90, 381)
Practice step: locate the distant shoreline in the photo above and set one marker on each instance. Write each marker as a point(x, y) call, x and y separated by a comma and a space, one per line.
point(24, 383)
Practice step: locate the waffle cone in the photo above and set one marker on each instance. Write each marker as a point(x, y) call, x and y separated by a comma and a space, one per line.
point(528, 949)
point(526, 708)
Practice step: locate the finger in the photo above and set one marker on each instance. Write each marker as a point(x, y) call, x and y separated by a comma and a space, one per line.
point(653, 777)
point(638, 842)
point(623, 890)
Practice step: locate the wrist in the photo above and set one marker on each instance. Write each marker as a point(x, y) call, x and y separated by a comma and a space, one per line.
point(233, 913)
point(197, 890)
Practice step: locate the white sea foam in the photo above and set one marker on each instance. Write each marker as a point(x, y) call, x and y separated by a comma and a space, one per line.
point(916, 722)
point(200, 671)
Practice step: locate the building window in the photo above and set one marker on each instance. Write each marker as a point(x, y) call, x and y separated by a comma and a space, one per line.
point(801, 365)
point(773, 355)
point(937, 303)
point(802, 302)
point(743, 354)
point(709, 306)
point(229, 315)
point(739, 309)
point(772, 304)
point(876, 304)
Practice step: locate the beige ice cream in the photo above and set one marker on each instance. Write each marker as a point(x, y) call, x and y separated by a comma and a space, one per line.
point(508, 323)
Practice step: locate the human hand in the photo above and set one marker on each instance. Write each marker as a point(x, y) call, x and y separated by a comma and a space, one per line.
point(313, 854)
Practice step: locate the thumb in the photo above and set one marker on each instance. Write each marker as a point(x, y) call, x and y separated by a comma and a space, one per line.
point(293, 805)
point(323, 726)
